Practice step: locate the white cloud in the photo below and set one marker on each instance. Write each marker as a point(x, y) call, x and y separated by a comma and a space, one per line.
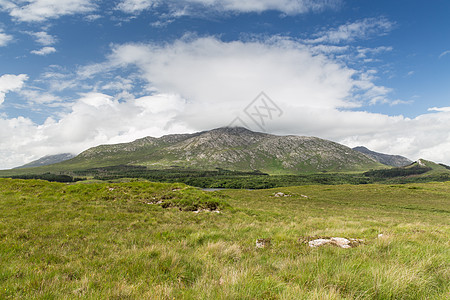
point(399, 102)
point(43, 38)
point(202, 83)
point(44, 51)
point(180, 7)
point(444, 53)
point(42, 10)
point(5, 38)
point(39, 97)
point(426, 136)
point(441, 109)
point(134, 6)
point(93, 119)
point(207, 70)
point(11, 83)
point(349, 32)
point(364, 52)
point(92, 18)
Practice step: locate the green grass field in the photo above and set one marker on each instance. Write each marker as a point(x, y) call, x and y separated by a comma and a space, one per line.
point(105, 241)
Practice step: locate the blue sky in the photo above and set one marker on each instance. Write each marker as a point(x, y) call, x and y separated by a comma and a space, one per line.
point(78, 73)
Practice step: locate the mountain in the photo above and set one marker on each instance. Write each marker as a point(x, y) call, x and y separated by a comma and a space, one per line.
point(48, 160)
point(228, 148)
point(419, 171)
point(385, 159)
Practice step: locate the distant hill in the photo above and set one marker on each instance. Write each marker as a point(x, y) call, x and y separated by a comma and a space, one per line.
point(228, 148)
point(386, 159)
point(420, 171)
point(48, 160)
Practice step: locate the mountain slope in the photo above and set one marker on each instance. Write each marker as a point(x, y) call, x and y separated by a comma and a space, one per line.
point(386, 159)
point(228, 148)
point(48, 160)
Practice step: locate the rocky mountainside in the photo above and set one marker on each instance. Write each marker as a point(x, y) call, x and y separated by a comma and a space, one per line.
point(229, 148)
point(386, 159)
point(48, 160)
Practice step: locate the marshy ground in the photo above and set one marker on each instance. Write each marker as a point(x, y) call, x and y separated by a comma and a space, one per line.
point(142, 240)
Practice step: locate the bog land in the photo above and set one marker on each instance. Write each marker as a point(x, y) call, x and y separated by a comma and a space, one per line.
point(143, 240)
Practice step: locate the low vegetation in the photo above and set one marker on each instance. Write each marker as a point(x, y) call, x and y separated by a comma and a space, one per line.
point(221, 178)
point(142, 240)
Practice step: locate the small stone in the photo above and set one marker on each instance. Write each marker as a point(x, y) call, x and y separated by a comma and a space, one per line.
point(262, 243)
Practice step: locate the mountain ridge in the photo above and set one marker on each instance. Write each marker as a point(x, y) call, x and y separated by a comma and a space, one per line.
point(234, 148)
point(47, 160)
point(386, 159)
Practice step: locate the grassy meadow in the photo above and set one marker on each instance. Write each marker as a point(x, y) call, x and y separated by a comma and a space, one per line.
point(143, 240)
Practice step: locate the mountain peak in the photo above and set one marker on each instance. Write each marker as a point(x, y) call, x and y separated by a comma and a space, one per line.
point(386, 159)
point(233, 130)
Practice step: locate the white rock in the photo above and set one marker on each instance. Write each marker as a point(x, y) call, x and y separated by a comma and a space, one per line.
point(319, 242)
point(336, 241)
point(341, 242)
point(262, 243)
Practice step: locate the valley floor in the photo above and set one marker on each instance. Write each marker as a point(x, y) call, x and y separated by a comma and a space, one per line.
point(143, 240)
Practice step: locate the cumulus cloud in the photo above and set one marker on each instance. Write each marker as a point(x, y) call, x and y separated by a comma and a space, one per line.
point(11, 83)
point(44, 51)
point(209, 71)
point(290, 7)
point(426, 136)
point(93, 119)
point(42, 10)
point(5, 38)
point(349, 32)
point(199, 83)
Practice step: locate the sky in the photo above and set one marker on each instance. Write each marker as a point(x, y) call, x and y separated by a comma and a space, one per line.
point(79, 73)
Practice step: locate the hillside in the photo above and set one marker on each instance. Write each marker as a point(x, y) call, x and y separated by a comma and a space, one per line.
point(419, 171)
point(386, 159)
point(227, 148)
point(48, 160)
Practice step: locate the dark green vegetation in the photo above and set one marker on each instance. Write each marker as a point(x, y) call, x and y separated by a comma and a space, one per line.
point(48, 176)
point(105, 241)
point(219, 178)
